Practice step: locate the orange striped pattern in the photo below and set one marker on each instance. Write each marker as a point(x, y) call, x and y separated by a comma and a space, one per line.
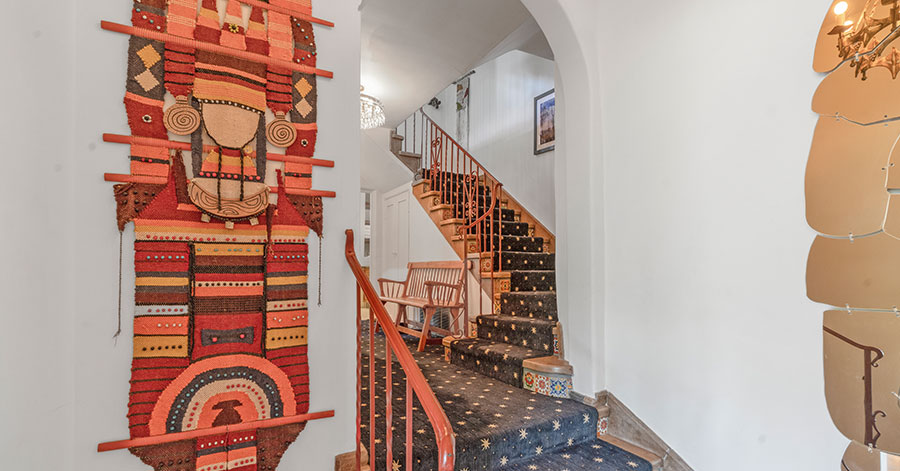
point(182, 18)
point(161, 346)
point(285, 338)
point(161, 325)
point(295, 318)
point(213, 90)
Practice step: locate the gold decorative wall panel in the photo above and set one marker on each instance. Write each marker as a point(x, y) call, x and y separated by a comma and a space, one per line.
point(868, 101)
point(846, 175)
point(862, 375)
point(860, 458)
point(863, 273)
point(854, 264)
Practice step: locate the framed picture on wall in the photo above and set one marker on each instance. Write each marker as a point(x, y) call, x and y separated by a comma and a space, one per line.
point(545, 122)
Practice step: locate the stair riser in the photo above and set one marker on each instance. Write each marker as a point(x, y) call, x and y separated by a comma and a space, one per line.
point(483, 201)
point(508, 228)
point(532, 281)
point(517, 333)
point(524, 261)
point(540, 306)
point(492, 364)
point(460, 188)
point(504, 215)
point(516, 244)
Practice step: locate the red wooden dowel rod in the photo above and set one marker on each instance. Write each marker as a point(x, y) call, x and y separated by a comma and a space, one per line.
point(322, 193)
point(300, 160)
point(287, 11)
point(180, 436)
point(149, 141)
point(209, 47)
point(120, 178)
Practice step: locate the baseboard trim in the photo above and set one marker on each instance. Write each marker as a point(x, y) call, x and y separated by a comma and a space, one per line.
point(625, 425)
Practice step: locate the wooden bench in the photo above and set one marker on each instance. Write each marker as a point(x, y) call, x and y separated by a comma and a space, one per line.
point(429, 286)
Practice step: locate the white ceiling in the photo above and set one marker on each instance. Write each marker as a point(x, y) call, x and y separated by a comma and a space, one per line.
point(412, 49)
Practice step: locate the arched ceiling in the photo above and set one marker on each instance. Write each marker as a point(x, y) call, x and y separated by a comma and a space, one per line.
point(412, 49)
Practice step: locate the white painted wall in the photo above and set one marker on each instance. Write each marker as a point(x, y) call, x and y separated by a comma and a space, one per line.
point(502, 129)
point(690, 217)
point(65, 384)
point(501, 107)
point(380, 170)
point(37, 405)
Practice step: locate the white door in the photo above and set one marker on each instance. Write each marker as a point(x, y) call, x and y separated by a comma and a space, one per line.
point(395, 243)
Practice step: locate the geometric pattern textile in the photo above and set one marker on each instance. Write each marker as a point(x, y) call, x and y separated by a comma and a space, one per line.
point(221, 269)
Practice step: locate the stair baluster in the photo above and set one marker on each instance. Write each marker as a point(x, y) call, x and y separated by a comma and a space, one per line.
point(416, 385)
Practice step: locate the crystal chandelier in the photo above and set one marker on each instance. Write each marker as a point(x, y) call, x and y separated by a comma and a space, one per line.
point(371, 111)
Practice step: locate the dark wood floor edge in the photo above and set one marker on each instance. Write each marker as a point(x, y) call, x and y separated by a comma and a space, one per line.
point(626, 425)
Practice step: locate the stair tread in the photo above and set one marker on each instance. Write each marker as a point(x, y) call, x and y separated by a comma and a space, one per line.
point(531, 294)
point(597, 454)
point(515, 422)
point(499, 360)
point(518, 320)
point(628, 447)
point(513, 330)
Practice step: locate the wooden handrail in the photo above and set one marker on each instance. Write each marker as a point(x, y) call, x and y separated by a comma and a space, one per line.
point(443, 431)
point(463, 149)
point(482, 168)
point(464, 230)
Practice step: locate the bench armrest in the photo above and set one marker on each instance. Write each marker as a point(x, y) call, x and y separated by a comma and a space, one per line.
point(447, 294)
point(391, 288)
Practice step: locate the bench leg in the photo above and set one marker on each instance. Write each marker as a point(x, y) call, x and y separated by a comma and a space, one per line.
point(401, 315)
point(455, 329)
point(429, 313)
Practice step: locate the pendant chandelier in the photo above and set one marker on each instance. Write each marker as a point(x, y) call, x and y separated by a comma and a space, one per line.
point(371, 111)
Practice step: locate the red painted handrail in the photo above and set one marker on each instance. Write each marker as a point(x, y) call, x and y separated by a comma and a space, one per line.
point(478, 224)
point(415, 380)
point(464, 185)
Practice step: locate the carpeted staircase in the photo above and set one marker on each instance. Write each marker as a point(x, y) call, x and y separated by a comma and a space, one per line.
point(498, 388)
point(497, 426)
point(525, 326)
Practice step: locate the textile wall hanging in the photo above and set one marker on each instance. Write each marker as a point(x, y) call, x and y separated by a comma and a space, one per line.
point(219, 377)
point(852, 190)
point(463, 88)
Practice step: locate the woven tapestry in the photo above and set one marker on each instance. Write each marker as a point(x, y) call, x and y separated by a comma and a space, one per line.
point(218, 92)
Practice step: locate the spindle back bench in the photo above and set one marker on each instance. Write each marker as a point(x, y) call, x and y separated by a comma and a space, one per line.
point(428, 286)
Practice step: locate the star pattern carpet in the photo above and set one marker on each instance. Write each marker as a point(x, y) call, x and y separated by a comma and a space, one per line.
point(497, 426)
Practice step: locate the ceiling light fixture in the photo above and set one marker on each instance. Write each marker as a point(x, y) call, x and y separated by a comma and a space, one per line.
point(371, 111)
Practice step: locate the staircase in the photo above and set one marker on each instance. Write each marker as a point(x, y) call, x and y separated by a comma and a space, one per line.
point(518, 342)
point(412, 160)
point(505, 386)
